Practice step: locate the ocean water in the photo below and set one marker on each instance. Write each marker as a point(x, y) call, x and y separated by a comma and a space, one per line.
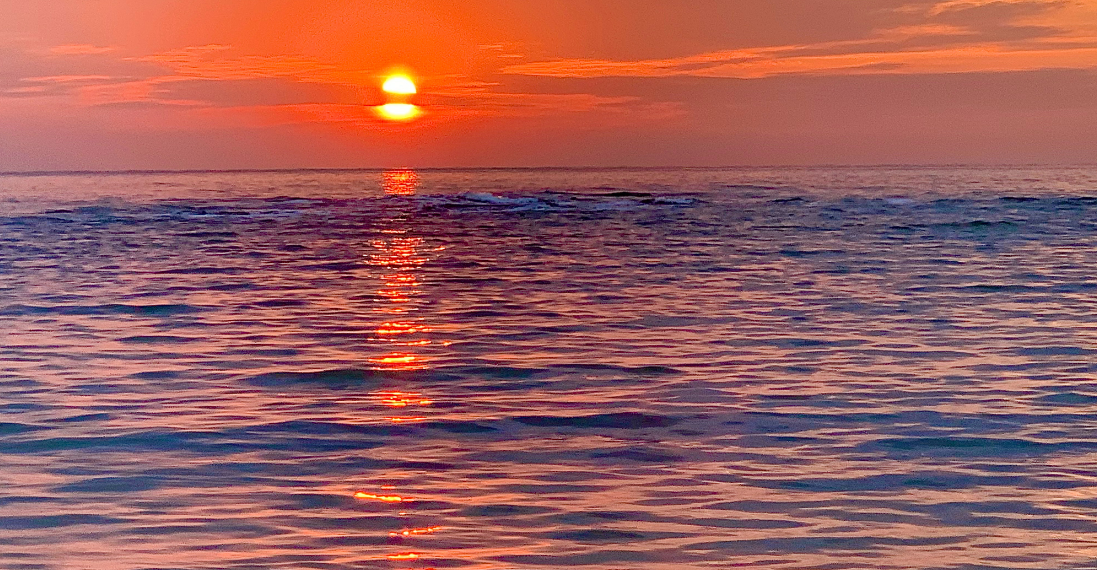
point(507, 369)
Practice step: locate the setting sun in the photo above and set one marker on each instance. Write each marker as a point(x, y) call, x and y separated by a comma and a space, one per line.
point(398, 111)
point(399, 85)
point(400, 88)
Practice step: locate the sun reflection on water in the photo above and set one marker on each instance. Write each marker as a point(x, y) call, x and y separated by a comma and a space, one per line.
point(383, 498)
point(415, 531)
point(400, 182)
point(403, 399)
point(400, 256)
point(402, 333)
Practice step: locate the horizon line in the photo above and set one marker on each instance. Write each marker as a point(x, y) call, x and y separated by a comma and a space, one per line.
point(151, 171)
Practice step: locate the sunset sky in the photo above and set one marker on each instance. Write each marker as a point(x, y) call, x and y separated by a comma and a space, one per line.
point(119, 84)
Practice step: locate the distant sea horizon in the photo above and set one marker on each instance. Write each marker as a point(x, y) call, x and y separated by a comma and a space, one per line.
point(898, 165)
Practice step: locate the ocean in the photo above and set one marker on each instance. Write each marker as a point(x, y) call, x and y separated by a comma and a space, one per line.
point(788, 368)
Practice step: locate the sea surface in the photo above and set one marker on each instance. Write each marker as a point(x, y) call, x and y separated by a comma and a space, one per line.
point(817, 368)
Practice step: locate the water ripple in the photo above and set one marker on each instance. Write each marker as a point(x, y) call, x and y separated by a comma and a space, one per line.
point(659, 369)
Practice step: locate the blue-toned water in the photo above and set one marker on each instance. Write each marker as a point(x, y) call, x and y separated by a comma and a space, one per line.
point(511, 369)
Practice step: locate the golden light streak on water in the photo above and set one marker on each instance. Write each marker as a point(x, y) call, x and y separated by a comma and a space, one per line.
point(400, 182)
point(415, 531)
point(383, 498)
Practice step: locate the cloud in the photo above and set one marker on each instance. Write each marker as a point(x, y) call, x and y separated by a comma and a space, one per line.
point(150, 91)
point(592, 111)
point(939, 8)
point(110, 79)
point(80, 49)
point(209, 62)
point(67, 79)
point(929, 36)
point(783, 60)
point(901, 33)
point(269, 90)
point(482, 99)
point(502, 51)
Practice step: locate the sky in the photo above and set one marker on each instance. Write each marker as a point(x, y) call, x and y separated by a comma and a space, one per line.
point(214, 84)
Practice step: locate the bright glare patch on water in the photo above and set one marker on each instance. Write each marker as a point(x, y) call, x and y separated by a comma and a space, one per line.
point(606, 369)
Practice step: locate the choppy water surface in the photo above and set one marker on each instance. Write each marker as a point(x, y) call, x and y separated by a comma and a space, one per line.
point(875, 368)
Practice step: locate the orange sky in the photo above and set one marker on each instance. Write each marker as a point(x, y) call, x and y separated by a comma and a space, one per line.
point(108, 84)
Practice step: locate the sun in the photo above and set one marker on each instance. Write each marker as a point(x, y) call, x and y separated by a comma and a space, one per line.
point(398, 111)
point(399, 91)
point(399, 85)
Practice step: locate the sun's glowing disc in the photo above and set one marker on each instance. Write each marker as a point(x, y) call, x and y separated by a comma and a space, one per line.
point(398, 111)
point(399, 85)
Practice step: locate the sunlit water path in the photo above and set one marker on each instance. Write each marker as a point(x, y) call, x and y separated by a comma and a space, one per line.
point(503, 369)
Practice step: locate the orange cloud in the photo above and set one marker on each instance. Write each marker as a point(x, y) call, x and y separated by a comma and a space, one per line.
point(1014, 35)
point(79, 49)
point(114, 93)
point(208, 62)
point(596, 111)
point(948, 5)
point(539, 104)
point(67, 79)
point(901, 33)
point(782, 60)
point(480, 99)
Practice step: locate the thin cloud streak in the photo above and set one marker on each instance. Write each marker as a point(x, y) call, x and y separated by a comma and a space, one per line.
point(80, 49)
point(942, 37)
point(952, 5)
point(206, 62)
point(451, 98)
point(769, 62)
point(592, 110)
